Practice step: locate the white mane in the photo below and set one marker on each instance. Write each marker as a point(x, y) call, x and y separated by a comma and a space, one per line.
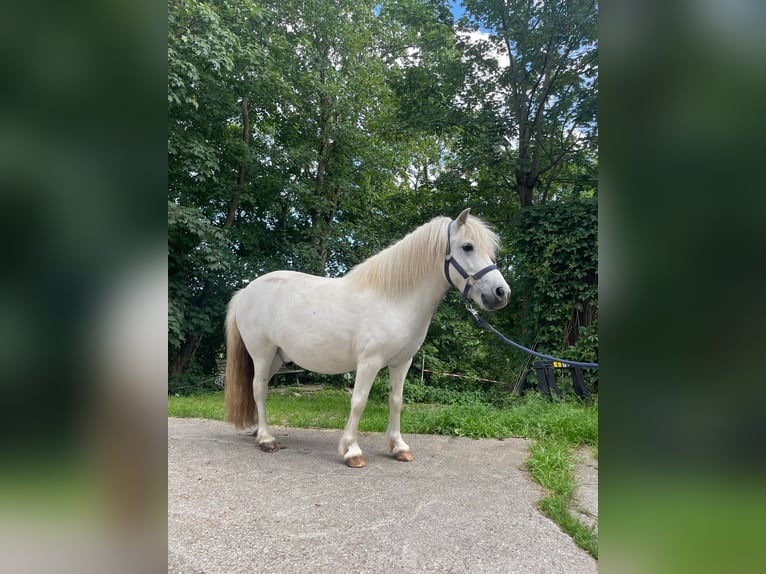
point(408, 262)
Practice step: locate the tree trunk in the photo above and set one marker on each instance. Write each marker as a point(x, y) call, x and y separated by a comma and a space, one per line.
point(184, 355)
point(242, 170)
point(525, 194)
point(321, 220)
point(581, 317)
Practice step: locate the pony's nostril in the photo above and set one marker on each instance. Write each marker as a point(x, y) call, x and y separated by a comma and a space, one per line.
point(500, 292)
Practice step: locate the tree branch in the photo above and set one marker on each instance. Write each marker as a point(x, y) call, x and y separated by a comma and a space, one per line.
point(241, 174)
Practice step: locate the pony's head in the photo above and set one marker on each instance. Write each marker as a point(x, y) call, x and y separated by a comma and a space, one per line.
point(469, 263)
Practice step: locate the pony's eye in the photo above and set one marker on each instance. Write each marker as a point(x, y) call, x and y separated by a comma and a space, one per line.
point(468, 247)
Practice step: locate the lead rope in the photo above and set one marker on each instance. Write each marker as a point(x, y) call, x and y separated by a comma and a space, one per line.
point(487, 327)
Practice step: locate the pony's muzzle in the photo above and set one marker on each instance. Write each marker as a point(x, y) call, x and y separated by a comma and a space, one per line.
point(496, 299)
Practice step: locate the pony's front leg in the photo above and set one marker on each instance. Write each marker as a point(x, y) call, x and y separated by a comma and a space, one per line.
point(348, 447)
point(394, 442)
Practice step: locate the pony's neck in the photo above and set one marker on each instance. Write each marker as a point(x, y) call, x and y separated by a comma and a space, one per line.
point(426, 298)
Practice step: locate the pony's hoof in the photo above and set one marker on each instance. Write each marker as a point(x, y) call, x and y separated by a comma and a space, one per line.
point(404, 456)
point(356, 462)
point(269, 446)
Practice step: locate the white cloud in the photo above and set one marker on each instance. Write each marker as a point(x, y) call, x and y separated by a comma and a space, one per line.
point(496, 50)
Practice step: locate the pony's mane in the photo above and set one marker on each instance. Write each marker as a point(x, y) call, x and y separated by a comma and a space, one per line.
point(408, 262)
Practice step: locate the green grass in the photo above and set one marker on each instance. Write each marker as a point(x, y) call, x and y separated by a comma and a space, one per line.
point(196, 406)
point(551, 464)
point(558, 429)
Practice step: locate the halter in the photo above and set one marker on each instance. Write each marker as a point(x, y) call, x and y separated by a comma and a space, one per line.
point(470, 280)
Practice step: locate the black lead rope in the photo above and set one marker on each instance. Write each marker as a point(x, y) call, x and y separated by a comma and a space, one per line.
point(486, 326)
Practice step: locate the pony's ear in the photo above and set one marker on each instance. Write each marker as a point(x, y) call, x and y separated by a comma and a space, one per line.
point(461, 219)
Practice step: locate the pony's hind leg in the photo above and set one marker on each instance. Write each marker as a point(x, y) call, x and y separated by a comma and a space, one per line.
point(394, 442)
point(264, 370)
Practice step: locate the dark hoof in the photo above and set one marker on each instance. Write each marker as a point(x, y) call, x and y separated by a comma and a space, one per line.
point(356, 462)
point(404, 456)
point(268, 446)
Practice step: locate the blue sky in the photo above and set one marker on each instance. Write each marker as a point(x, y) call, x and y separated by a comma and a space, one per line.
point(457, 9)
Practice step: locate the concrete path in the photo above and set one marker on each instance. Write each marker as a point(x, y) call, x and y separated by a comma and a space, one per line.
point(586, 493)
point(461, 506)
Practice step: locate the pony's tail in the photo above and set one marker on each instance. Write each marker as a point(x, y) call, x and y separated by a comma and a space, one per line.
point(239, 404)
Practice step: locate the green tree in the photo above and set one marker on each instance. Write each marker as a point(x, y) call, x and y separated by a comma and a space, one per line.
point(206, 156)
point(534, 88)
point(279, 147)
point(311, 134)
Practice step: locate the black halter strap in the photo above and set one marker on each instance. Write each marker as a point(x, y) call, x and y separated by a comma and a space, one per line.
point(470, 280)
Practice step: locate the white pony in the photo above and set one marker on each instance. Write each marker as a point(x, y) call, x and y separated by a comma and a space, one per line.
point(375, 316)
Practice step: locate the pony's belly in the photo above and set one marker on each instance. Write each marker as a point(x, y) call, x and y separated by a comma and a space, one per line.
point(335, 357)
point(315, 347)
point(327, 363)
